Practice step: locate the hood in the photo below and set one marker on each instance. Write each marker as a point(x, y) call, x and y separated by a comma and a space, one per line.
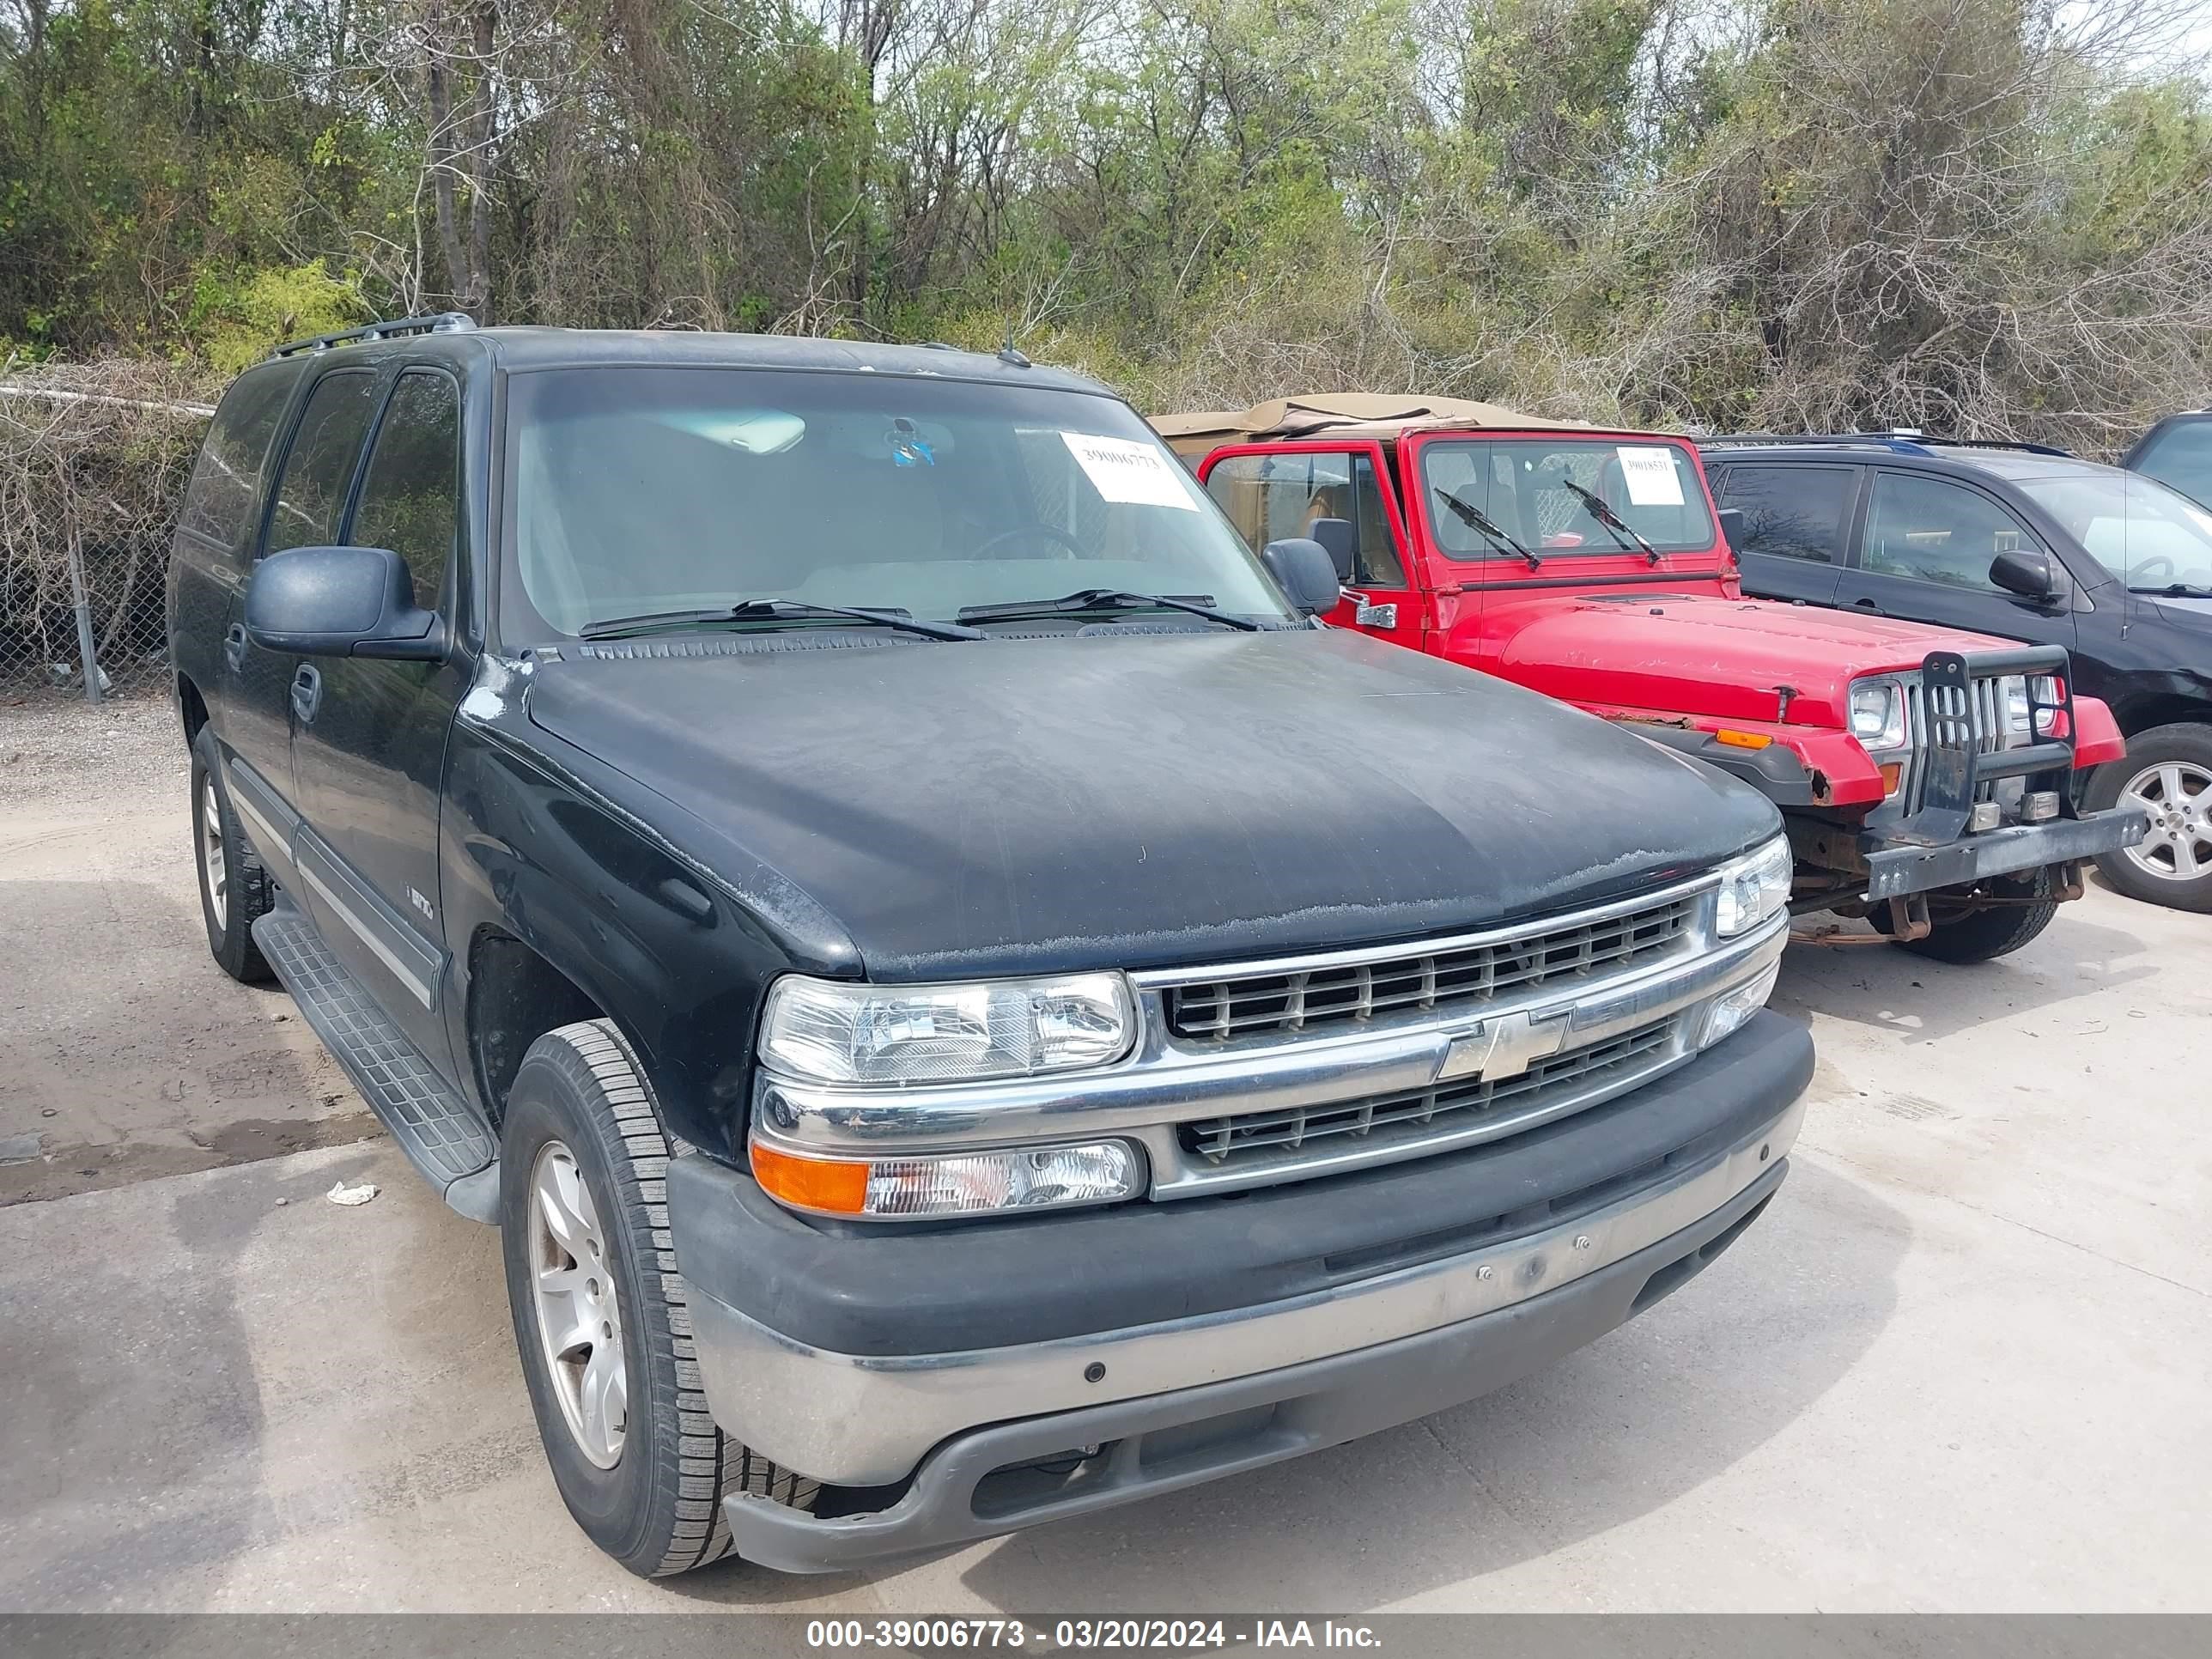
point(1134, 800)
point(1699, 654)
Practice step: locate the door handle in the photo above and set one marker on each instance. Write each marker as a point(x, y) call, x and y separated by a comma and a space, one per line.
point(234, 645)
point(306, 692)
point(1868, 605)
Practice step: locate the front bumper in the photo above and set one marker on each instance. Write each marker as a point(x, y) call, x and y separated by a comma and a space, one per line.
point(1895, 870)
point(1154, 1346)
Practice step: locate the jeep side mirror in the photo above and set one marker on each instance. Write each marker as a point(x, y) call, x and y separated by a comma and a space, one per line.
point(2029, 575)
point(1338, 536)
point(1732, 529)
point(340, 602)
point(1306, 573)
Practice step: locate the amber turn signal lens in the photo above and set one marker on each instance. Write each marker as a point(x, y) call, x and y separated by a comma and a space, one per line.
point(1742, 740)
point(812, 1183)
point(1893, 774)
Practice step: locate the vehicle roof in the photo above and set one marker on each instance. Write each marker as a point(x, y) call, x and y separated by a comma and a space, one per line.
point(1932, 454)
point(524, 349)
point(1341, 415)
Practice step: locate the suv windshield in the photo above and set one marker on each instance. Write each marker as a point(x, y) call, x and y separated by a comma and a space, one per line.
point(2147, 535)
point(632, 491)
point(1540, 491)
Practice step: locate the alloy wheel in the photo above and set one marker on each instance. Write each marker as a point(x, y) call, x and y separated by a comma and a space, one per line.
point(2178, 796)
point(214, 872)
point(578, 1318)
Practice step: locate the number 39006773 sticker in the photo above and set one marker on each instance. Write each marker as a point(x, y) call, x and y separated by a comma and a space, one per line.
point(1121, 469)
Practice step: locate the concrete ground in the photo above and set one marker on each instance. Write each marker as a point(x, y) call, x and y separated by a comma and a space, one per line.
point(1960, 1364)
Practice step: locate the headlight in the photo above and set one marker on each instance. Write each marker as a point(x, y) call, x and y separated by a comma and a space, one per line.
point(1878, 714)
point(2048, 694)
point(958, 1183)
point(1753, 888)
point(832, 1031)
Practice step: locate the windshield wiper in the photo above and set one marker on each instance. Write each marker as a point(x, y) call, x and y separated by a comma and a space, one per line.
point(2176, 591)
point(1105, 598)
point(1611, 520)
point(1476, 521)
point(775, 610)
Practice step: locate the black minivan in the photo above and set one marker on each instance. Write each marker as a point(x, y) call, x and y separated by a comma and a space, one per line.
point(2023, 542)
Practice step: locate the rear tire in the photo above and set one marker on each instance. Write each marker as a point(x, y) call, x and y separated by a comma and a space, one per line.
point(234, 889)
point(2163, 765)
point(581, 1106)
point(1984, 935)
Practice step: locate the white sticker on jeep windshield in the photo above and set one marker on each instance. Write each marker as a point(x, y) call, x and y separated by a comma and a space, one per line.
point(1651, 476)
point(1124, 471)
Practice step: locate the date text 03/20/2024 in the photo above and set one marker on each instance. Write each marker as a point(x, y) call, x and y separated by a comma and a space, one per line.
point(936, 1634)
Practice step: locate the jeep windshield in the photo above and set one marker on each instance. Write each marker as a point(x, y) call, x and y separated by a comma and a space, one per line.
point(1564, 495)
point(635, 492)
point(2152, 538)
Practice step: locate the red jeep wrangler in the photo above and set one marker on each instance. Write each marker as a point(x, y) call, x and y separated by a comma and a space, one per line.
point(1926, 775)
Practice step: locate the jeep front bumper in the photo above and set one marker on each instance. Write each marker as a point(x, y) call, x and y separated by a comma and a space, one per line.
point(1895, 870)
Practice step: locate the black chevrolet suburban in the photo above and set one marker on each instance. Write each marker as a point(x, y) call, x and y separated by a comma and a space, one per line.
point(968, 1004)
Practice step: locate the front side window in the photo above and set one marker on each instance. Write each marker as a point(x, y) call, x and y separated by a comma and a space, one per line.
point(410, 498)
point(637, 490)
point(1556, 494)
point(1791, 511)
point(1271, 497)
point(2181, 457)
point(319, 467)
point(2142, 532)
point(1929, 529)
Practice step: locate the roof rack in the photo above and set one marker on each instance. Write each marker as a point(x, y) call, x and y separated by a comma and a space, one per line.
point(442, 322)
point(1897, 441)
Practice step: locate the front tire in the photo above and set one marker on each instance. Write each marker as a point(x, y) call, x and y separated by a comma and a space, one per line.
point(599, 1312)
point(2168, 773)
point(1998, 931)
point(234, 889)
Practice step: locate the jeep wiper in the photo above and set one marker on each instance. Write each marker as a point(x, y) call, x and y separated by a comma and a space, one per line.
point(1475, 520)
point(2176, 591)
point(1105, 598)
point(1615, 524)
point(775, 610)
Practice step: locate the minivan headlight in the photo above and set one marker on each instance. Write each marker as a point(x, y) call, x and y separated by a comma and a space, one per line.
point(838, 1032)
point(1878, 714)
point(1753, 888)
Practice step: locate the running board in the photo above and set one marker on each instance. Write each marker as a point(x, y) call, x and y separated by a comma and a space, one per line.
point(439, 1132)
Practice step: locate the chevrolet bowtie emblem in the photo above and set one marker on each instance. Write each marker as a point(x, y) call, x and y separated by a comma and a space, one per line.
point(1504, 1047)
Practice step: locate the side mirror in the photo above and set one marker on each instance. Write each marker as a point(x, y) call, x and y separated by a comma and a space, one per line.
point(2029, 575)
point(1306, 573)
point(1732, 527)
point(1338, 536)
point(340, 602)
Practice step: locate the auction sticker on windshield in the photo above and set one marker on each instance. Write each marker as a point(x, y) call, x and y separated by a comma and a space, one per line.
point(1123, 471)
point(1651, 476)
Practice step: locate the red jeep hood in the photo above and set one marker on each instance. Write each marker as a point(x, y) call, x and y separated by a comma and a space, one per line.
point(1714, 656)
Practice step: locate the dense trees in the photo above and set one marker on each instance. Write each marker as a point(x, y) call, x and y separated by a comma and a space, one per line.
point(1981, 214)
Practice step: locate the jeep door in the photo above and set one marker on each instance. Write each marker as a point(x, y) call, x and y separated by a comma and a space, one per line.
point(368, 740)
point(1797, 525)
point(1923, 552)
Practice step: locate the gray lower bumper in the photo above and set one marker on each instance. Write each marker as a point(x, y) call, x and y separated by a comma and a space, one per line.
point(985, 1482)
point(1896, 870)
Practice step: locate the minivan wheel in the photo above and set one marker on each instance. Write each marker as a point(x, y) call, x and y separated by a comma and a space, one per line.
point(2168, 773)
point(1998, 931)
point(599, 1312)
point(234, 887)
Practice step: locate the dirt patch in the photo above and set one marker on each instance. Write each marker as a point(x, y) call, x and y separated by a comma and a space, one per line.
point(64, 1172)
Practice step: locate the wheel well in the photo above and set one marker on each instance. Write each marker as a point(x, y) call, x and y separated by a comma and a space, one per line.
point(192, 706)
point(515, 997)
point(2162, 711)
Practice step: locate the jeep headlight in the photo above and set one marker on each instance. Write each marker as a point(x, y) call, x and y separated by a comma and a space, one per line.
point(1753, 888)
point(838, 1032)
point(1878, 714)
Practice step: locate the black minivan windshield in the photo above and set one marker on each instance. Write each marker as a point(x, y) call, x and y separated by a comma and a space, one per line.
point(641, 492)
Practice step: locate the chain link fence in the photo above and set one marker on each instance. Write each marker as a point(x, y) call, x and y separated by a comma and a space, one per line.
point(94, 459)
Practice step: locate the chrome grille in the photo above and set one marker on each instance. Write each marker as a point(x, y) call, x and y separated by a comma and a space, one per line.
point(1420, 981)
point(1981, 725)
point(1415, 1113)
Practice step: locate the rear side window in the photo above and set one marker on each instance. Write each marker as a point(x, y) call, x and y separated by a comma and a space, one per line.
point(1271, 497)
point(1792, 511)
point(225, 484)
point(319, 467)
point(2182, 456)
point(410, 499)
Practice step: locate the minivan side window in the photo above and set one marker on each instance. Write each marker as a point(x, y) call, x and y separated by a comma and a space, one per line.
point(1933, 531)
point(225, 484)
point(1271, 497)
point(311, 494)
point(410, 499)
point(1792, 511)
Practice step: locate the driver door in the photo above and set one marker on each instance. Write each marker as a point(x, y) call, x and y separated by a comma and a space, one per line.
point(1278, 490)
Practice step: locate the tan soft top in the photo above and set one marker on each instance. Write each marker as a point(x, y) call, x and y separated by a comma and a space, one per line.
point(1338, 414)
